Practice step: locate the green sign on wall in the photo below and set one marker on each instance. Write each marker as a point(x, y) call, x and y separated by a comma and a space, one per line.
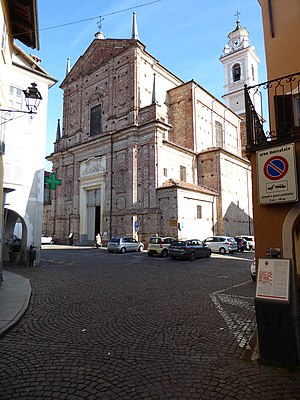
point(53, 181)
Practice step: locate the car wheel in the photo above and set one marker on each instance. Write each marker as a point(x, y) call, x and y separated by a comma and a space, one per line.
point(150, 254)
point(208, 255)
point(140, 248)
point(222, 250)
point(231, 251)
point(164, 253)
point(192, 256)
point(123, 250)
point(110, 251)
point(253, 277)
point(173, 258)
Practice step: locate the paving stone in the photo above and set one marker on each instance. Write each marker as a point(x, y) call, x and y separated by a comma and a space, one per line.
point(103, 326)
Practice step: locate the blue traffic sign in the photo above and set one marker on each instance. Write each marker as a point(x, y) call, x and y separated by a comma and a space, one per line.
point(276, 168)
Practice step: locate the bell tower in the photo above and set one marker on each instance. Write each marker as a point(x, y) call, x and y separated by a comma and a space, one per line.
point(240, 67)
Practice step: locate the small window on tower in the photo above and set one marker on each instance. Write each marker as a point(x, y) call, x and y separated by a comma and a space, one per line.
point(95, 120)
point(165, 172)
point(219, 134)
point(236, 72)
point(182, 173)
point(199, 212)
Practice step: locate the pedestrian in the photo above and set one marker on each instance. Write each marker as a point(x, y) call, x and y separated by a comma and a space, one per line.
point(98, 240)
point(32, 255)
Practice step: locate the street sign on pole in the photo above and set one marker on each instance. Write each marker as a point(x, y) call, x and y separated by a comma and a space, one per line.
point(276, 171)
point(136, 226)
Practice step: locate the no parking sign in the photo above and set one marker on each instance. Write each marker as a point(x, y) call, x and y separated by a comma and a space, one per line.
point(277, 180)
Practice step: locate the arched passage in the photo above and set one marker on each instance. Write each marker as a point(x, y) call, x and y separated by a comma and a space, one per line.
point(14, 224)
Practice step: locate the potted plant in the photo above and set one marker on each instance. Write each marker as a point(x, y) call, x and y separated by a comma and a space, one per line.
point(14, 248)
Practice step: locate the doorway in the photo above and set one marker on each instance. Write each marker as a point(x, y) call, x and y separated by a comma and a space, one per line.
point(93, 213)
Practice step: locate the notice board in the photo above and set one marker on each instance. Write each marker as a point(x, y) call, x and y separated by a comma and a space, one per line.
point(273, 279)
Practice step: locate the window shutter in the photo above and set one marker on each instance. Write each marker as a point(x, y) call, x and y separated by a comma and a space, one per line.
point(284, 114)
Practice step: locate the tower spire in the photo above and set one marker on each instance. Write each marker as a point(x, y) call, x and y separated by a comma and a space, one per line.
point(68, 68)
point(58, 135)
point(135, 35)
point(154, 89)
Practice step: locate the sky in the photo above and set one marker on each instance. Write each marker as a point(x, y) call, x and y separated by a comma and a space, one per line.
point(187, 37)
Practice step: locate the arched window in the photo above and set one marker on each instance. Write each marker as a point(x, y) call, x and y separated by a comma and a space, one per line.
point(236, 72)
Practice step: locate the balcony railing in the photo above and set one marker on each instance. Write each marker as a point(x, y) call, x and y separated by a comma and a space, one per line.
point(282, 96)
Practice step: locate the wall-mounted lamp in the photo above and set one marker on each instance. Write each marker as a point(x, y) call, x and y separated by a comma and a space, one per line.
point(32, 99)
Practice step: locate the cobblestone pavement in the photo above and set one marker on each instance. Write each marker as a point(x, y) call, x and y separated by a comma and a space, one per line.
point(109, 326)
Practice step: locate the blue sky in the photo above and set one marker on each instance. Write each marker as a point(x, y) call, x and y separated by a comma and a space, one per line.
point(187, 37)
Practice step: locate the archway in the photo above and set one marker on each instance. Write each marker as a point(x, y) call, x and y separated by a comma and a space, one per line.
point(14, 226)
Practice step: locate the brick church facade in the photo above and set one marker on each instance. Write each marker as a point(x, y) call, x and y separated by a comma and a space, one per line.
point(142, 153)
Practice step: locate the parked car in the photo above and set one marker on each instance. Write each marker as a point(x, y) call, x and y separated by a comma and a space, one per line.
point(250, 241)
point(159, 245)
point(221, 244)
point(190, 249)
point(47, 239)
point(253, 271)
point(124, 244)
point(241, 243)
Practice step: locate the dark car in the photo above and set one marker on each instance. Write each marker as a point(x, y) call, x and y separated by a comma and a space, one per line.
point(241, 243)
point(190, 249)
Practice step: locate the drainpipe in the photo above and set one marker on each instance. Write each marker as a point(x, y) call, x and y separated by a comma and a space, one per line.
point(111, 185)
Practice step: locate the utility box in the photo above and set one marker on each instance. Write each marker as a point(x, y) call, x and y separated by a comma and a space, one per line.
point(276, 312)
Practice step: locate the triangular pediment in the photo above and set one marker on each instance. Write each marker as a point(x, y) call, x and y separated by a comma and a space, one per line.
point(99, 53)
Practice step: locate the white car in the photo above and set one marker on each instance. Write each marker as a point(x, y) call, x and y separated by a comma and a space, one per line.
point(221, 244)
point(124, 244)
point(159, 245)
point(250, 241)
point(47, 240)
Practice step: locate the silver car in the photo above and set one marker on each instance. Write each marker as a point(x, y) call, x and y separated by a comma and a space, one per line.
point(124, 244)
point(221, 244)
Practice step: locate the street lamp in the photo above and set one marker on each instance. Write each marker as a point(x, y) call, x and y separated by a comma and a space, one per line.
point(32, 99)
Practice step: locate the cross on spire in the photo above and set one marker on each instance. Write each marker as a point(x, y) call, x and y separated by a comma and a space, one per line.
point(237, 15)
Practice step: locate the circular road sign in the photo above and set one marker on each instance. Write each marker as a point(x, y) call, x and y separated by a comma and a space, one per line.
point(276, 168)
point(136, 226)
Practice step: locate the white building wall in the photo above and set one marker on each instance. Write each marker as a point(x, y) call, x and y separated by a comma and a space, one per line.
point(170, 160)
point(192, 227)
point(236, 203)
point(209, 111)
point(24, 157)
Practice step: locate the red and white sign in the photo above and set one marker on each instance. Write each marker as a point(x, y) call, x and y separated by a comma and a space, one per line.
point(273, 279)
point(277, 180)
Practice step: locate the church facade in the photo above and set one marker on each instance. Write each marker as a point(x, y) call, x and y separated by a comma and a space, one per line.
point(142, 153)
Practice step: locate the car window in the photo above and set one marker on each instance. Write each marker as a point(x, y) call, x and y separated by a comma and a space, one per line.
point(209, 240)
point(115, 240)
point(221, 239)
point(154, 240)
point(178, 243)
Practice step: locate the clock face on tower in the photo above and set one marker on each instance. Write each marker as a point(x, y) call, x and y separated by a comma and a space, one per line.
point(236, 43)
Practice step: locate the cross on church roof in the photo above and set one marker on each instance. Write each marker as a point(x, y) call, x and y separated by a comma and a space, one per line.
point(237, 15)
